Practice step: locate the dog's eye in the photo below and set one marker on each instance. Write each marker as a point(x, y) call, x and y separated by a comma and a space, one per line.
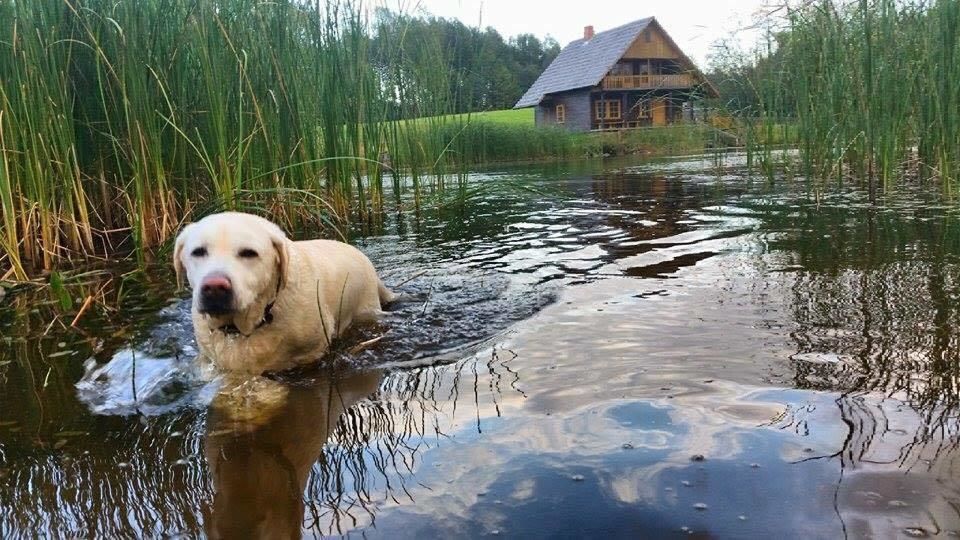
point(248, 254)
point(199, 252)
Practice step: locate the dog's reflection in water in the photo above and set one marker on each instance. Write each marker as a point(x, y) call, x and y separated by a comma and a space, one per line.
point(263, 437)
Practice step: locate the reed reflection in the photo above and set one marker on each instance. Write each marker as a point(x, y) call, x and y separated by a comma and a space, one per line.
point(873, 299)
point(263, 438)
point(321, 454)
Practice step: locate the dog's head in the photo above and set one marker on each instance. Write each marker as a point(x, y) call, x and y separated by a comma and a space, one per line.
point(235, 263)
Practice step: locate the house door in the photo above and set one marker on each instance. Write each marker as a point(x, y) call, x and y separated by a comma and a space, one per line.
point(658, 111)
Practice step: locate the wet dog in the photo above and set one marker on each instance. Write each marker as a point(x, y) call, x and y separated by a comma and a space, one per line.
point(262, 302)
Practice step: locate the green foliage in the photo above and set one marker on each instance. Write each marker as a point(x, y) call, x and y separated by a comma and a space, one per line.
point(482, 70)
point(60, 291)
point(119, 120)
point(488, 141)
point(873, 88)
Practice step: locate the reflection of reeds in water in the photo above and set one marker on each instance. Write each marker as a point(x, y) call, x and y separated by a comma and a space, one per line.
point(373, 451)
point(887, 330)
point(878, 444)
point(123, 484)
point(875, 317)
point(322, 459)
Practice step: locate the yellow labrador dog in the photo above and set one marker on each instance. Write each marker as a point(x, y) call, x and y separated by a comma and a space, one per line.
point(262, 302)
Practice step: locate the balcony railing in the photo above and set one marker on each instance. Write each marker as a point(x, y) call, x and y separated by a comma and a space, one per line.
point(647, 82)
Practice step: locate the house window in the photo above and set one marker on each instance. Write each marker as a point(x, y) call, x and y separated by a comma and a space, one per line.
point(561, 114)
point(607, 109)
point(647, 36)
point(621, 68)
point(642, 109)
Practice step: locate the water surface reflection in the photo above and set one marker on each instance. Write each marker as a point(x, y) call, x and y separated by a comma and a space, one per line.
point(664, 350)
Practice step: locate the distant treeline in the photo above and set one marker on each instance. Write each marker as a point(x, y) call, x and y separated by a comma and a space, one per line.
point(483, 70)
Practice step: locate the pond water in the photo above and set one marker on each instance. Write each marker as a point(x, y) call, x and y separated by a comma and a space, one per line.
point(591, 350)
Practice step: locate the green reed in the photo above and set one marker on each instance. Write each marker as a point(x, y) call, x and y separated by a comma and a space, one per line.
point(872, 88)
point(120, 120)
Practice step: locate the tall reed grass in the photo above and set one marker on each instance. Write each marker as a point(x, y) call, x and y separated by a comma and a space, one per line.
point(120, 119)
point(871, 87)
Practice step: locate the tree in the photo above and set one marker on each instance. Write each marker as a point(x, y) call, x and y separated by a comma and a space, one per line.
point(446, 62)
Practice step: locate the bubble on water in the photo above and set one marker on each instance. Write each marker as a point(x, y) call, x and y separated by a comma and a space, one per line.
point(627, 446)
point(697, 457)
point(898, 504)
point(916, 532)
point(685, 483)
point(754, 465)
point(577, 478)
point(742, 518)
point(700, 506)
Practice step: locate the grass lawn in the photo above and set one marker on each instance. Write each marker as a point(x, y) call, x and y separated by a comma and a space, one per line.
point(507, 116)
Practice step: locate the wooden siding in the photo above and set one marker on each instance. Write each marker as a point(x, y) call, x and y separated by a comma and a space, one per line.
point(657, 47)
point(646, 82)
point(541, 116)
point(577, 105)
point(640, 109)
point(658, 110)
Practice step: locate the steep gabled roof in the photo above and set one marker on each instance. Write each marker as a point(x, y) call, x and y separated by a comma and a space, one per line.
point(584, 63)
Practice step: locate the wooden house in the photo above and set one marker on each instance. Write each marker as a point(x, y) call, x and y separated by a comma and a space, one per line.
point(631, 76)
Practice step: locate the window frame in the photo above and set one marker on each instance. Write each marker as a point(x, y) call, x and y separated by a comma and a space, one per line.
point(642, 106)
point(560, 113)
point(603, 109)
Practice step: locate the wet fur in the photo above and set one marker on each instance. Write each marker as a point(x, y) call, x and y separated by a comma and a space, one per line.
point(318, 288)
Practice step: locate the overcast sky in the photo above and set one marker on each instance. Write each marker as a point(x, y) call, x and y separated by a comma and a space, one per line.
point(694, 24)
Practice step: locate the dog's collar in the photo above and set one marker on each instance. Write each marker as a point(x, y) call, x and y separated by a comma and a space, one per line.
point(232, 330)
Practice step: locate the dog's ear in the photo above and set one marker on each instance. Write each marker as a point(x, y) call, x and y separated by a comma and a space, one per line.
point(177, 256)
point(282, 246)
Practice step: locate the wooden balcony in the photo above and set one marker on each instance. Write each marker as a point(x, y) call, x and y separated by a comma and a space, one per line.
point(647, 82)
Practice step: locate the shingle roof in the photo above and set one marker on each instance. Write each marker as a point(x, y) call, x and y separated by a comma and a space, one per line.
point(583, 63)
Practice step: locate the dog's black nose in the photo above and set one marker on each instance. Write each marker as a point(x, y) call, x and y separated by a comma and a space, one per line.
point(216, 295)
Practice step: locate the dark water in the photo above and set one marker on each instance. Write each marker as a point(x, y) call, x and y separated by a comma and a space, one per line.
point(597, 351)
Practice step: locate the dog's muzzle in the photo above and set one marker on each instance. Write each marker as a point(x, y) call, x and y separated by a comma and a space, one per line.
point(216, 295)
